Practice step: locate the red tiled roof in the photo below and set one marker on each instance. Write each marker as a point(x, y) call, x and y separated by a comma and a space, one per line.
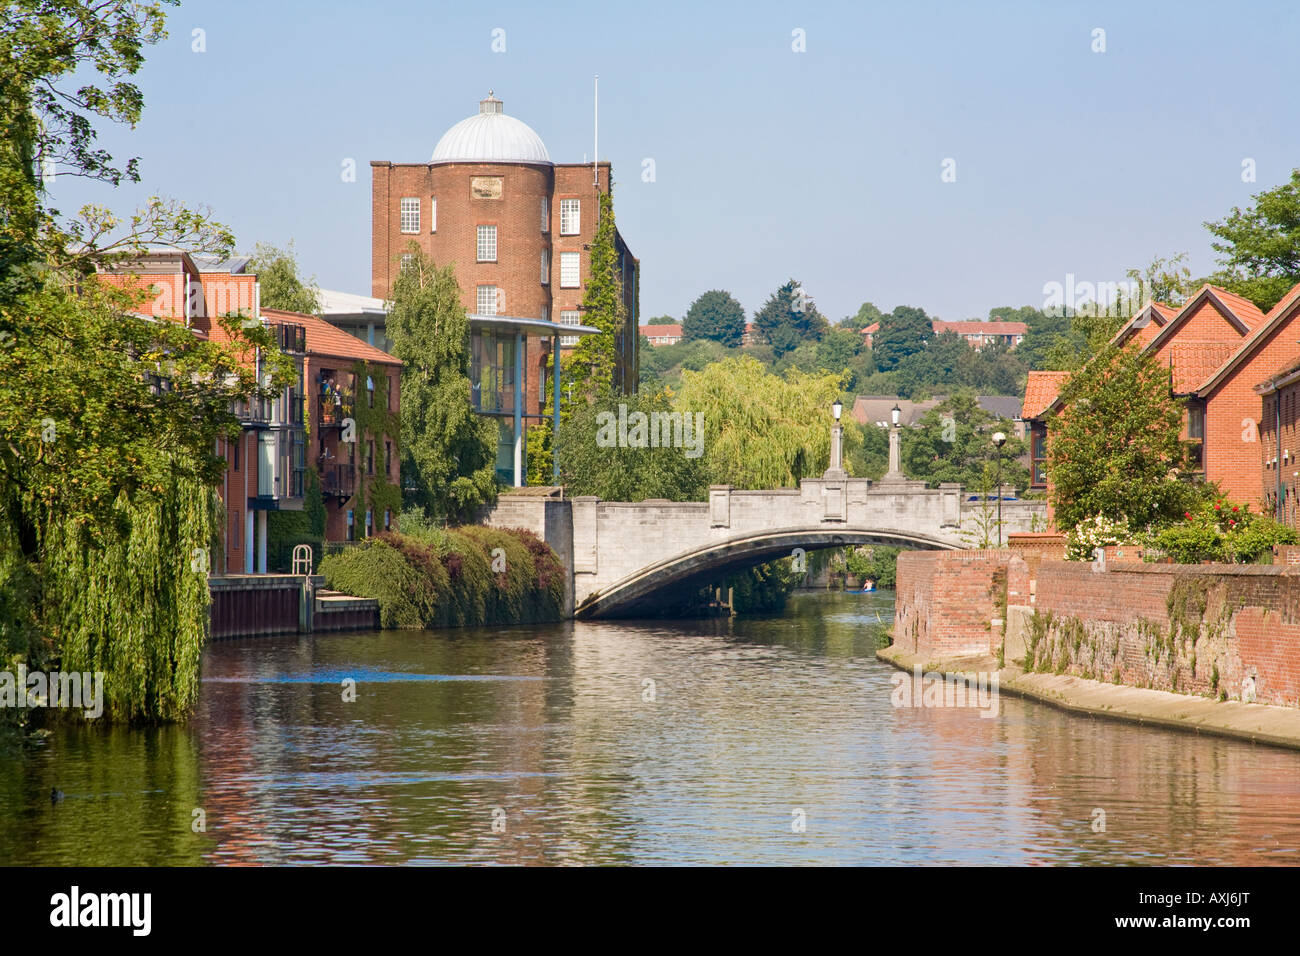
point(1040, 391)
point(325, 339)
point(1285, 301)
point(658, 331)
point(871, 329)
point(1193, 362)
point(1275, 316)
point(1168, 311)
point(976, 327)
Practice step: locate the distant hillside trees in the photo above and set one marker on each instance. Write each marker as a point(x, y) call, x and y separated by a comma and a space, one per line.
point(788, 319)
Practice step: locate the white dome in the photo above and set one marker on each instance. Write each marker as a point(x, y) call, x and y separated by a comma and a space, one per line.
point(491, 136)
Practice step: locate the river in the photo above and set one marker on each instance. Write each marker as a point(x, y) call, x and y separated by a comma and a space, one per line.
point(761, 740)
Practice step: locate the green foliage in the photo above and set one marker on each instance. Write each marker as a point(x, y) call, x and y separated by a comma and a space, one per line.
point(763, 589)
point(132, 601)
point(446, 578)
point(591, 367)
point(1222, 530)
point(903, 332)
point(715, 315)
point(877, 563)
point(280, 285)
point(662, 365)
point(448, 451)
point(591, 465)
point(1259, 247)
point(763, 430)
point(788, 318)
point(953, 442)
point(287, 529)
point(867, 314)
point(869, 457)
point(1116, 448)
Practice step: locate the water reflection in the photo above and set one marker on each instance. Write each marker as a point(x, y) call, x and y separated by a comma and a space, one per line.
point(631, 742)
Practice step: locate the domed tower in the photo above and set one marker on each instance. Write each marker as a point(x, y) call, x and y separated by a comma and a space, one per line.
point(517, 228)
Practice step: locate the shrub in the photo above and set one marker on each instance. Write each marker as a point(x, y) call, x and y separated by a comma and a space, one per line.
point(1083, 539)
point(1222, 530)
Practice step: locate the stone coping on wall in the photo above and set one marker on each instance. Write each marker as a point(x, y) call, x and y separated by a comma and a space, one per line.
point(1256, 723)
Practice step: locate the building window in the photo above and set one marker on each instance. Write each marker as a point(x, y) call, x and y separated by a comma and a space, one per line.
point(410, 214)
point(234, 529)
point(370, 391)
point(433, 213)
point(388, 459)
point(388, 520)
point(236, 445)
point(408, 261)
point(1038, 455)
point(541, 385)
point(1196, 435)
point(570, 217)
point(370, 523)
point(370, 456)
point(546, 267)
point(569, 318)
point(546, 214)
point(487, 300)
point(569, 270)
point(487, 243)
point(352, 526)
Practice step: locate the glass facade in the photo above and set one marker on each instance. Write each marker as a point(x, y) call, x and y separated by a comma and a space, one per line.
point(492, 371)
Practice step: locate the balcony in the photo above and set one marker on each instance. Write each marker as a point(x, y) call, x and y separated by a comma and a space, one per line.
point(331, 413)
point(290, 338)
point(338, 481)
point(255, 412)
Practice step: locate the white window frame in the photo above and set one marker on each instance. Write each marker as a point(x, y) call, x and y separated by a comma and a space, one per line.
point(546, 214)
point(570, 217)
point(486, 244)
point(433, 214)
point(570, 270)
point(487, 297)
point(570, 317)
point(408, 260)
point(546, 267)
point(410, 215)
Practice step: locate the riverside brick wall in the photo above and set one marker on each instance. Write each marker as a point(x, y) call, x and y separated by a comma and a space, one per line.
point(1214, 630)
point(946, 601)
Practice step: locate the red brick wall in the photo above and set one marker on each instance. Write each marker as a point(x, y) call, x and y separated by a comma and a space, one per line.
point(1233, 456)
point(1192, 629)
point(946, 600)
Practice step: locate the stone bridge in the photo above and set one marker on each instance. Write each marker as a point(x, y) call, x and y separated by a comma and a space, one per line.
point(625, 557)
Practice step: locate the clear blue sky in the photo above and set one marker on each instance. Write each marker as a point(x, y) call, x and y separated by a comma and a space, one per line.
point(823, 165)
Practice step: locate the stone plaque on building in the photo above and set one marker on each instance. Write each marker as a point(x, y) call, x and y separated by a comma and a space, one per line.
point(485, 187)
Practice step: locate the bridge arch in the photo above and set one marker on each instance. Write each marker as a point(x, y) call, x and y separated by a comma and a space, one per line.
point(637, 592)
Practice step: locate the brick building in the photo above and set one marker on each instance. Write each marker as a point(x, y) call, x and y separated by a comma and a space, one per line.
point(662, 334)
point(353, 399)
point(265, 468)
point(1219, 348)
point(978, 333)
point(518, 228)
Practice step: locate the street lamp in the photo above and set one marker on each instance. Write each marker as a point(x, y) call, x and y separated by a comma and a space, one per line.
point(836, 409)
point(999, 439)
point(895, 413)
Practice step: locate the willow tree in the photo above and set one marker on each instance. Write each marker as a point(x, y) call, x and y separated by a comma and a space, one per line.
point(107, 471)
point(448, 450)
point(764, 430)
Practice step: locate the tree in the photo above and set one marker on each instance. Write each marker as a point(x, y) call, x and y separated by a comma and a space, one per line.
point(838, 348)
point(107, 507)
point(867, 314)
point(1163, 280)
point(281, 286)
point(1259, 247)
point(763, 430)
point(715, 315)
point(448, 450)
point(953, 442)
point(903, 332)
point(1115, 448)
point(788, 319)
point(644, 466)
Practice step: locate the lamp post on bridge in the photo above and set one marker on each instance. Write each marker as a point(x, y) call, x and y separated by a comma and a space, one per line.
point(836, 471)
point(895, 472)
point(999, 439)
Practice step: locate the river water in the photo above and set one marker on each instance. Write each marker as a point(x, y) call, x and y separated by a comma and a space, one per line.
point(765, 740)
